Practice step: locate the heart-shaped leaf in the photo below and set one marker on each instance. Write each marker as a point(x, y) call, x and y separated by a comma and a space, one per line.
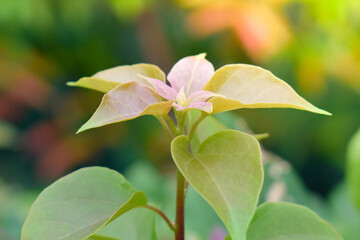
point(353, 169)
point(227, 172)
point(79, 204)
point(287, 221)
point(127, 101)
point(247, 86)
point(106, 80)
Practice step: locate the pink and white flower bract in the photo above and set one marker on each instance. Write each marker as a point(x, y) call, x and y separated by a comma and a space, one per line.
point(187, 79)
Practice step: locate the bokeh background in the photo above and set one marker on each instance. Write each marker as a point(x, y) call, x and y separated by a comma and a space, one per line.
point(312, 45)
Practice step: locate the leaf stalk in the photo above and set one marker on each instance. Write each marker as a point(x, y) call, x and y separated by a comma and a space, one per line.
point(162, 215)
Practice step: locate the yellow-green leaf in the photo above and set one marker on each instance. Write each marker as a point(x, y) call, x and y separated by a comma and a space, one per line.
point(106, 80)
point(127, 101)
point(227, 172)
point(247, 86)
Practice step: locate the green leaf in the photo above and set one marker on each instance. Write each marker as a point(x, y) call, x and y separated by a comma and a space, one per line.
point(227, 172)
point(127, 101)
point(247, 86)
point(79, 204)
point(353, 168)
point(106, 80)
point(288, 221)
point(100, 237)
point(207, 127)
point(137, 224)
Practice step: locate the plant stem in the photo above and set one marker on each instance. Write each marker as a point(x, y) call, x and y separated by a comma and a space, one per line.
point(169, 131)
point(180, 207)
point(195, 125)
point(162, 214)
point(170, 123)
point(178, 226)
point(180, 117)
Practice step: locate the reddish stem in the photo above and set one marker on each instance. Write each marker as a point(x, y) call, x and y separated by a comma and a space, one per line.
point(180, 207)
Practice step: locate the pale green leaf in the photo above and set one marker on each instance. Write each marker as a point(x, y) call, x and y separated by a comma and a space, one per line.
point(227, 172)
point(137, 224)
point(353, 168)
point(127, 101)
point(79, 204)
point(288, 221)
point(247, 86)
point(106, 80)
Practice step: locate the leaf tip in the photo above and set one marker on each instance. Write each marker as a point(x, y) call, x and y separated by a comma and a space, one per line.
point(83, 128)
point(323, 112)
point(79, 131)
point(201, 55)
point(261, 136)
point(328, 113)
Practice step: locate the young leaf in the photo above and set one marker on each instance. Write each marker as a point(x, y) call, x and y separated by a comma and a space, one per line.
point(79, 204)
point(353, 169)
point(125, 102)
point(191, 73)
point(287, 221)
point(227, 172)
point(106, 80)
point(247, 86)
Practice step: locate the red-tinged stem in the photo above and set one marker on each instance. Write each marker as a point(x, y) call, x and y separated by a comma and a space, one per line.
point(180, 208)
point(162, 214)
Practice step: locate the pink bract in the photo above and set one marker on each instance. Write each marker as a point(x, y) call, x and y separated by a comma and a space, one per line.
point(187, 79)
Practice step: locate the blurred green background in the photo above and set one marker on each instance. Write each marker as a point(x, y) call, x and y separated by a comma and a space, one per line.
point(312, 45)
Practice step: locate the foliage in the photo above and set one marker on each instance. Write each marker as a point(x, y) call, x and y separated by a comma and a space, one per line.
point(228, 177)
point(313, 45)
point(226, 168)
point(78, 205)
point(290, 221)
